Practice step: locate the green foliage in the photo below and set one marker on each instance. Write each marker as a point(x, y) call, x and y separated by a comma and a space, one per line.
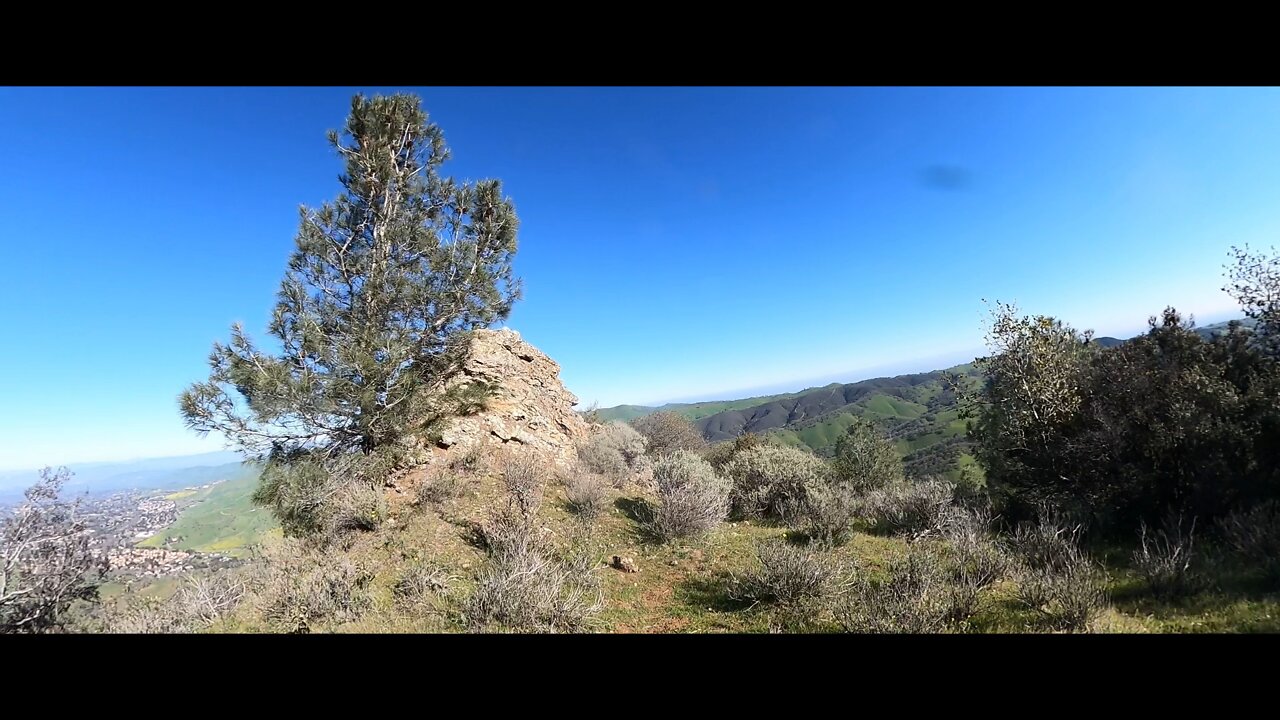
point(771, 481)
point(372, 315)
point(1254, 281)
point(1165, 422)
point(865, 459)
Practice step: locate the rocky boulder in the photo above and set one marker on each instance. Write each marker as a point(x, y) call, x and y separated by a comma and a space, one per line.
point(530, 407)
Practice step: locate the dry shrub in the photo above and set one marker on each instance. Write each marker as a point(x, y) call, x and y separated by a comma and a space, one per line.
point(604, 459)
point(910, 508)
point(789, 575)
point(912, 599)
point(528, 585)
point(201, 601)
point(586, 491)
point(524, 477)
point(420, 582)
point(301, 587)
point(1165, 557)
point(978, 556)
point(1254, 535)
point(667, 431)
point(719, 454)
point(440, 486)
point(771, 481)
point(693, 499)
point(829, 511)
point(1057, 578)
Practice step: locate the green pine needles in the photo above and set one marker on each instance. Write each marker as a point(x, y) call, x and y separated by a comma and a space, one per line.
point(372, 320)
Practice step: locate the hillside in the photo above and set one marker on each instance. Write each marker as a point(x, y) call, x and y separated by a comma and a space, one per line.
point(220, 518)
point(693, 411)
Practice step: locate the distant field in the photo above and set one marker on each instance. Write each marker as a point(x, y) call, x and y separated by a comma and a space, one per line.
point(222, 518)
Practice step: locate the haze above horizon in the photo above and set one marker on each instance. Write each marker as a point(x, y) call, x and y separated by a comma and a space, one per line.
point(675, 243)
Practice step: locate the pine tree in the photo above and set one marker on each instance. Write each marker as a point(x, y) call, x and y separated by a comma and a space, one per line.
point(372, 318)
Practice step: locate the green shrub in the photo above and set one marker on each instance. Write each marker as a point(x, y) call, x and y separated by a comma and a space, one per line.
point(865, 459)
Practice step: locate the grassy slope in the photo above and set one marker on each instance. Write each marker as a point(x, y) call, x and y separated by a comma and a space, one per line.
point(684, 586)
point(221, 518)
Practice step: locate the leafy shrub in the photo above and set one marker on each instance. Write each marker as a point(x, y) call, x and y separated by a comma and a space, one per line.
point(692, 498)
point(865, 459)
point(302, 586)
point(789, 575)
point(586, 491)
point(625, 439)
point(1254, 535)
point(908, 508)
point(667, 431)
point(771, 481)
point(325, 497)
point(1165, 558)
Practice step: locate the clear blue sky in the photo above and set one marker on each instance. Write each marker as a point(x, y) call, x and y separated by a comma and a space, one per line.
point(675, 243)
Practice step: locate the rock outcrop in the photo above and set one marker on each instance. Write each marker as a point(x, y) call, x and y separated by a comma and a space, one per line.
point(530, 407)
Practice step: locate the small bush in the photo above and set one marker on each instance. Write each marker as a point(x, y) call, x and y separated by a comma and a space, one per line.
point(1056, 578)
point(524, 477)
point(358, 506)
point(531, 588)
point(692, 498)
point(719, 454)
point(830, 509)
point(667, 431)
point(1254, 535)
point(865, 459)
point(771, 481)
point(442, 485)
point(625, 439)
point(788, 575)
point(586, 491)
point(201, 601)
point(1164, 558)
point(600, 457)
point(421, 581)
point(303, 586)
point(909, 508)
point(978, 556)
point(911, 600)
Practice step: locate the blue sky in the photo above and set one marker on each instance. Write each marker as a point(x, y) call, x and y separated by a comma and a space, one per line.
point(676, 243)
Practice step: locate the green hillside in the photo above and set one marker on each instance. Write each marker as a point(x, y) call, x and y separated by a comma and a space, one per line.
point(221, 518)
point(693, 411)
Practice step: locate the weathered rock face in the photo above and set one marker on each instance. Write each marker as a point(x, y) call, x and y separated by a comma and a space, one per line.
point(530, 408)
